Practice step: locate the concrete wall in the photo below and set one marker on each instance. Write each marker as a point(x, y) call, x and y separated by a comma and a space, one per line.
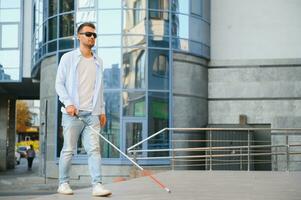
point(190, 90)
point(7, 133)
point(47, 94)
point(255, 31)
point(27, 36)
point(255, 66)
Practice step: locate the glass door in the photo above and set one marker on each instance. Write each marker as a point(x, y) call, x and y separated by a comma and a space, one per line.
point(134, 131)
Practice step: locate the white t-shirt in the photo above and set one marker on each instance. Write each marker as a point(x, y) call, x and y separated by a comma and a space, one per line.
point(86, 72)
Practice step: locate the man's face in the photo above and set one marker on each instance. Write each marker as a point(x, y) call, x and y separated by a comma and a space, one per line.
point(85, 38)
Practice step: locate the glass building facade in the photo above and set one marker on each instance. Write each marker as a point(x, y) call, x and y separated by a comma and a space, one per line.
point(136, 40)
point(10, 40)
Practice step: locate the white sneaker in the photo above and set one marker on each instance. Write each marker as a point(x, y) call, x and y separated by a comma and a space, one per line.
point(99, 190)
point(64, 188)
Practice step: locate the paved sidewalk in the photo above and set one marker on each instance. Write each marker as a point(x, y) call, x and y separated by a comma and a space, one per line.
point(202, 185)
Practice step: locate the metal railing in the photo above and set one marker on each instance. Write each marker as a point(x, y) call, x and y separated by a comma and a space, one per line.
point(226, 148)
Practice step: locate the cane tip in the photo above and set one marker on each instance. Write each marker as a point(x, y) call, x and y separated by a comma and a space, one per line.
point(168, 190)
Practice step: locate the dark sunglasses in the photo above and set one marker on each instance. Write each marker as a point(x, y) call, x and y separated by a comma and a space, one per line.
point(89, 34)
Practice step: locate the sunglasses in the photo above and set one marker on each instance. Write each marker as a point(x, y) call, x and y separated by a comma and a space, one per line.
point(89, 34)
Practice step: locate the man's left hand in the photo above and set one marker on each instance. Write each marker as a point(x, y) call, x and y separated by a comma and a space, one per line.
point(103, 120)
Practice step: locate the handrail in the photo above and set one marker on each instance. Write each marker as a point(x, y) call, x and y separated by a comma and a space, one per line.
point(212, 129)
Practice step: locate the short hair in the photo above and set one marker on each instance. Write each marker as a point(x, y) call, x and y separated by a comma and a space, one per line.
point(85, 24)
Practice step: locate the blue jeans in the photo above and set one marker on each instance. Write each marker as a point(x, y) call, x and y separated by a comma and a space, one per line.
point(72, 128)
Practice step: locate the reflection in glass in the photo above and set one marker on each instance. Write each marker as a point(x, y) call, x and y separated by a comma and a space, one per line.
point(10, 15)
point(137, 14)
point(67, 43)
point(181, 6)
point(112, 128)
point(133, 104)
point(109, 41)
point(158, 69)
point(66, 5)
point(158, 41)
point(3, 74)
point(85, 3)
point(85, 16)
point(180, 26)
point(158, 4)
point(158, 23)
point(134, 68)
point(52, 30)
point(66, 25)
point(133, 40)
point(10, 4)
point(52, 6)
point(137, 4)
point(134, 21)
point(133, 132)
point(104, 4)
point(158, 118)
point(52, 46)
point(10, 58)
point(105, 20)
point(111, 65)
point(7, 74)
point(10, 36)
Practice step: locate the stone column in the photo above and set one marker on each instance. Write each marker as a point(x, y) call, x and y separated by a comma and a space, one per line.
point(11, 134)
point(3, 132)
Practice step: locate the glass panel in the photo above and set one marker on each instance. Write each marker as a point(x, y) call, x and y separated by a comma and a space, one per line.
point(66, 5)
point(133, 104)
point(9, 74)
point(111, 64)
point(66, 25)
point(133, 131)
point(196, 7)
point(52, 46)
point(158, 4)
point(158, 15)
point(134, 21)
point(158, 69)
point(66, 43)
point(10, 36)
point(85, 16)
point(158, 41)
point(134, 68)
point(138, 4)
point(112, 128)
point(52, 7)
point(10, 58)
point(181, 6)
point(158, 118)
point(10, 15)
point(10, 4)
point(158, 23)
point(109, 41)
point(133, 40)
point(52, 30)
point(85, 3)
point(180, 26)
point(182, 44)
point(105, 20)
point(109, 4)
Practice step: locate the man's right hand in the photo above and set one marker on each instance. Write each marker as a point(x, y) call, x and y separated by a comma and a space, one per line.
point(71, 110)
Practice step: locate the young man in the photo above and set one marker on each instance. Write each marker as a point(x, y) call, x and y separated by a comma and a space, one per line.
point(79, 85)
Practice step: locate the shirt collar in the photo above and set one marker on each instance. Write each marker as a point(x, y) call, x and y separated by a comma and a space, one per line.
point(79, 54)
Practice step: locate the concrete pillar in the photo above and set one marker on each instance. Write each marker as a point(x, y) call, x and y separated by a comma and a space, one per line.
point(3, 132)
point(11, 136)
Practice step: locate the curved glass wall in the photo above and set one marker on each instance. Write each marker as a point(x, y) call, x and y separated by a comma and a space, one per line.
point(136, 39)
point(10, 40)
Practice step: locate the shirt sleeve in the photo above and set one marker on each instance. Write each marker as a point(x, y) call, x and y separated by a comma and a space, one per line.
point(60, 83)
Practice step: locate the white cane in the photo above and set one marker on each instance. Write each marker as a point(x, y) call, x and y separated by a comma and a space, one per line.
point(130, 159)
